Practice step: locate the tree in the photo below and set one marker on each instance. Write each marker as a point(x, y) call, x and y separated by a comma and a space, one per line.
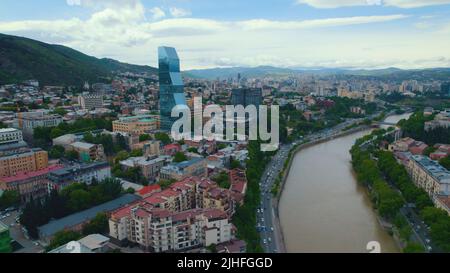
point(97, 225)
point(163, 137)
point(235, 164)
point(222, 180)
point(144, 137)
point(413, 248)
point(9, 198)
point(71, 155)
point(56, 151)
point(122, 155)
point(445, 162)
point(166, 183)
point(179, 157)
point(62, 238)
point(136, 153)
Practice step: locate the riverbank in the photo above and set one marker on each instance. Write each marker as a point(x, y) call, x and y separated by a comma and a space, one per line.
point(285, 173)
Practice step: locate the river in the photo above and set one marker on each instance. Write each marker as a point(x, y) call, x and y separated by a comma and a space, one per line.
point(322, 207)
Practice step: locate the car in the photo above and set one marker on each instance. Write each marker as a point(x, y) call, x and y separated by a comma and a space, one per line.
point(271, 228)
point(7, 215)
point(429, 248)
point(427, 240)
point(265, 242)
point(270, 240)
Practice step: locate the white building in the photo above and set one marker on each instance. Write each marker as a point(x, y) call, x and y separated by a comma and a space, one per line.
point(90, 101)
point(10, 135)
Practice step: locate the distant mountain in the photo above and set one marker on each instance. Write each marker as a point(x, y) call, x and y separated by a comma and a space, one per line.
point(387, 73)
point(23, 58)
point(224, 73)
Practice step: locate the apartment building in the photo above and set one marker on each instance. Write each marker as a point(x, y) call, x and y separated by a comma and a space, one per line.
point(160, 230)
point(10, 135)
point(178, 171)
point(26, 161)
point(149, 165)
point(87, 151)
point(29, 185)
point(429, 175)
point(81, 173)
point(90, 101)
point(11, 141)
point(135, 125)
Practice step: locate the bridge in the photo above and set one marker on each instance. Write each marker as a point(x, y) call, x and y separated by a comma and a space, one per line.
point(384, 123)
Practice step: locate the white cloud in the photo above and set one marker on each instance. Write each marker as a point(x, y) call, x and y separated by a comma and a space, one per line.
point(328, 22)
point(393, 3)
point(178, 12)
point(157, 13)
point(124, 33)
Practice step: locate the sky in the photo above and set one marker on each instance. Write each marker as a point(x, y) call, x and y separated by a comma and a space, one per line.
point(367, 34)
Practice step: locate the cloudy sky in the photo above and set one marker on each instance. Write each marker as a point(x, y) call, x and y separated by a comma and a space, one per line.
point(215, 33)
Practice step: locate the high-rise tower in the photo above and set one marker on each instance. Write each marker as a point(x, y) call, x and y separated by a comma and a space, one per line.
point(171, 87)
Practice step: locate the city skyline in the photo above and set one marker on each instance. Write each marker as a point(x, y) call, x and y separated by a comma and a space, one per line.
point(367, 34)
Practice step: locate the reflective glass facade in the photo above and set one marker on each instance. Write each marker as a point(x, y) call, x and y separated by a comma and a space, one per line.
point(171, 88)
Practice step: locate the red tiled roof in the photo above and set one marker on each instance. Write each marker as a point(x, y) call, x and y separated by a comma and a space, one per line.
point(28, 175)
point(149, 189)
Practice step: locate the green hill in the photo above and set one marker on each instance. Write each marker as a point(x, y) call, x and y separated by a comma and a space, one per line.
point(23, 58)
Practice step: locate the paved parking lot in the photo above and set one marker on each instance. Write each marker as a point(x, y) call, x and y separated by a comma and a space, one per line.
point(16, 233)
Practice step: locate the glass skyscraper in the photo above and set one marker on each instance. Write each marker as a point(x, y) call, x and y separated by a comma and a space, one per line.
point(246, 96)
point(171, 88)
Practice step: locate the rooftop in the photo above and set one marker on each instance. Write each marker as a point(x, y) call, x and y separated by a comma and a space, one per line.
point(86, 215)
point(9, 130)
point(433, 168)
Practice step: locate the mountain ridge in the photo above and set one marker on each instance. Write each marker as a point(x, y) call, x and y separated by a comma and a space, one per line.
point(23, 58)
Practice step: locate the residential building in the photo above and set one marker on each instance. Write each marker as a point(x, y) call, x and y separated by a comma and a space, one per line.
point(429, 175)
point(171, 87)
point(442, 202)
point(30, 185)
point(10, 135)
point(80, 173)
point(27, 161)
point(178, 171)
point(88, 152)
point(233, 246)
point(90, 101)
point(11, 141)
point(135, 125)
point(77, 220)
point(160, 230)
point(149, 165)
point(28, 121)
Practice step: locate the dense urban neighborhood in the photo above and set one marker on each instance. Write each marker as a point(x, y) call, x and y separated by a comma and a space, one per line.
point(95, 161)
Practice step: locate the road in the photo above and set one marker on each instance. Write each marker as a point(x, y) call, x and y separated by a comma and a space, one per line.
point(16, 233)
point(267, 222)
point(420, 229)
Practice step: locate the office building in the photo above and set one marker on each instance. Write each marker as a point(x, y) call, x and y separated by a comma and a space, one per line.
point(135, 125)
point(246, 96)
point(171, 87)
